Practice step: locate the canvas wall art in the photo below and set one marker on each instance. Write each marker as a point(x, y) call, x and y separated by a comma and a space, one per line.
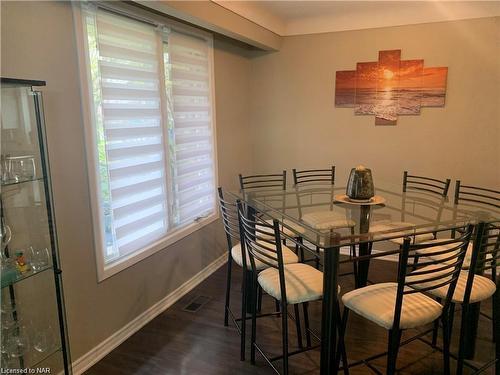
point(390, 87)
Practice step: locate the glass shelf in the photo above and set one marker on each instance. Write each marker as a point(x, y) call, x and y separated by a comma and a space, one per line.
point(12, 183)
point(24, 276)
point(47, 355)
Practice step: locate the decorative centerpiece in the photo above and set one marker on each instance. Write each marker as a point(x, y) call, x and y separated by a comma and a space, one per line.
point(360, 185)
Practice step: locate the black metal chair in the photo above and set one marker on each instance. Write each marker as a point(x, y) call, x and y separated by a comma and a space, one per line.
point(474, 287)
point(481, 259)
point(313, 176)
point(403, 305)
point(293, 284)
point(475, 194)
point(321, 220)
point(427, 184)
point(429, 187)
point(229, 213)
point(270, 182)
point(263, 181)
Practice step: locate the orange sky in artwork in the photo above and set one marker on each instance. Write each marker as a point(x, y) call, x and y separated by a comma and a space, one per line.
point(366, 75)
point(346, 79)
point(434, 77)
point(388, 69)
point(410, 73)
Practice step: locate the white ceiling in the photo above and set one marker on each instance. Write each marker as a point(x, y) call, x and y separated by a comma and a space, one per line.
point(310, 17)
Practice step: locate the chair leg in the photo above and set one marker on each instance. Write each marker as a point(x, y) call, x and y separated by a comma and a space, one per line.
point(277, 305)
point(415, 262)
point(446, 343)
point(392, 355)
point(435, 333)
point(284, 332)
point(461, 345)
point(353, 255)
point(228, 289)
point(298, 326)
point(317, 258)
point(243, 316)
point(259, 298)
point(496, 317)
point(495, 307)
point(435, 329)
point(341, 350)
point(305, 308)
point(256, 293)
point(354, 264)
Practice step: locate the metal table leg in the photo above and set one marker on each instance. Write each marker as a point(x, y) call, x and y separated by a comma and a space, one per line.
point(364, 248)
point(329, 311)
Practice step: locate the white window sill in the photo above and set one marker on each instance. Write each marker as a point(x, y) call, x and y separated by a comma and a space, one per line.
point(176, 235)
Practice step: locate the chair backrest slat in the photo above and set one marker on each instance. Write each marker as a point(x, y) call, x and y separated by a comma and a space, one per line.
point(476, 194)
point(428, 184)
point(487, 256)
point(229, 212)
point(308, 176)
point(261, 181)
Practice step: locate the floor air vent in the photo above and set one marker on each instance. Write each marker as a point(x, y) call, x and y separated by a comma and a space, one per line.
point(196, 303)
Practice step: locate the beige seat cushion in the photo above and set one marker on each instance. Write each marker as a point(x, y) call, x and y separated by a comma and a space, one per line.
point(429, 251)
point(323, 220)
point(288, 256)
point(482, 287)
point(394, 225)
point(377, 303)
point(303, 283)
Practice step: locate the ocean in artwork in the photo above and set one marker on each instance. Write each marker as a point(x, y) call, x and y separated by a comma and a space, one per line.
point(388, 104)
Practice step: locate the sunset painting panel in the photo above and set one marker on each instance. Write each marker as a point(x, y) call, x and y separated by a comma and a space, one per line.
point(387, 87)
point(345, 88)
point(410, 87)
point(366, 88)
point(434, 87)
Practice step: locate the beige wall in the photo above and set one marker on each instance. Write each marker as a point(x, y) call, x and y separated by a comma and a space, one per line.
point(296, 124)
point(38, 42)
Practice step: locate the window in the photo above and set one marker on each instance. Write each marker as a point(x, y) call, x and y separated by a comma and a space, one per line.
point(150, 136)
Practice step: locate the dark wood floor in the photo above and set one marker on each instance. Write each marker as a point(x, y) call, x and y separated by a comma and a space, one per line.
point(180, 342)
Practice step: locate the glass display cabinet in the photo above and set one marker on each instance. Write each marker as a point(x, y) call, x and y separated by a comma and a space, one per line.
point(33, 326)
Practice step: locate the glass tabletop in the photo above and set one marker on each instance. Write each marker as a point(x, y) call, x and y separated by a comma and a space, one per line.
point(324, 216)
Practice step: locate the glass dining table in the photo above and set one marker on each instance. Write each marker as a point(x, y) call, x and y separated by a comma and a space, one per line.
point(323, 216)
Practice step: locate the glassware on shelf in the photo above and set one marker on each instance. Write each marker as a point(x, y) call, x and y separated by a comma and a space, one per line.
point(17, 342)
point(40, 258)
point(22, 263)
point(6, 235)
point(44, 340)
point(18, 168)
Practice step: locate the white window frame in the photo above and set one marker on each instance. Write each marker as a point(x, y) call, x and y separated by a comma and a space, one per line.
point(107, 270)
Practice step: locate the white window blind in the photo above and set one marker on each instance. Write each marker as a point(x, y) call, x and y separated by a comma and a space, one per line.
point(188, 90)
point(150, 90)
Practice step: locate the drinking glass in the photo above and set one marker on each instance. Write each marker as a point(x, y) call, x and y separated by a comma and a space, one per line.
point(40, 258)
point(44, 339)
point(21, 168)
point(17, 344)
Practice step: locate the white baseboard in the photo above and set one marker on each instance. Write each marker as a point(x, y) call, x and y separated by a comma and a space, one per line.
point(105, 347)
